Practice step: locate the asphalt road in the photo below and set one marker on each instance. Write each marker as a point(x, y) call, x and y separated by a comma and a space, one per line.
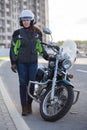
point(76, 119)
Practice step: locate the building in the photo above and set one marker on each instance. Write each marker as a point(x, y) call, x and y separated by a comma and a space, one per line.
point(9, 14)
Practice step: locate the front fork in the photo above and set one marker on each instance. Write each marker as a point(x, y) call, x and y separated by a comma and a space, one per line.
point(54, 81)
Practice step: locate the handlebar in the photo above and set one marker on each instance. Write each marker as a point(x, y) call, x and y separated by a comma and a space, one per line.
point(53, 47)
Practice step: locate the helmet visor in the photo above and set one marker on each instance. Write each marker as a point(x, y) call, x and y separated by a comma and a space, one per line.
point(26, 18)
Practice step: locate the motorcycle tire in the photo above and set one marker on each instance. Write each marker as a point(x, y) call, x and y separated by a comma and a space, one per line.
point(61, 104)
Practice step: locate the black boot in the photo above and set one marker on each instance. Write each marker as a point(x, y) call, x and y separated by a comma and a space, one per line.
point(24, 110)
point(29, 108)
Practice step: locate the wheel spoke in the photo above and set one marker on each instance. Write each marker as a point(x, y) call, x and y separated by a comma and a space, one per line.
point(53, 107)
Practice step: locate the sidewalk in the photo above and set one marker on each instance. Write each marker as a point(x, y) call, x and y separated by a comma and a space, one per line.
point(10, 119)
point(6, 122)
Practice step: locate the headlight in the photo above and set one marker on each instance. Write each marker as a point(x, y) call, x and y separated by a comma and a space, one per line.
point(66, 64)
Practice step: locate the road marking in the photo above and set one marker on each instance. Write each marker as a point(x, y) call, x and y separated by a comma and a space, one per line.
point(83, 71)
point(4, 58)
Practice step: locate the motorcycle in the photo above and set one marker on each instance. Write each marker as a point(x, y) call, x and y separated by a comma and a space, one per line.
point(53, 88)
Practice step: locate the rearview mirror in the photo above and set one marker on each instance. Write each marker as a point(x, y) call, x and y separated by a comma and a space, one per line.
point(47, 31)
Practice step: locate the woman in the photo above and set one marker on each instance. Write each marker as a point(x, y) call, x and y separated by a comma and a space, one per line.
point(25, 45)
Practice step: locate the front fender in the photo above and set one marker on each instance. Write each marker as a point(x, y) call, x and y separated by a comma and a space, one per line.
point(66, 82)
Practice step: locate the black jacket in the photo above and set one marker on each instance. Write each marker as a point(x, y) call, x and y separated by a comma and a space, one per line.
point(25, 45)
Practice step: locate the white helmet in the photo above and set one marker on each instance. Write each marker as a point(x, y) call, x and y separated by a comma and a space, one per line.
point(27, 14)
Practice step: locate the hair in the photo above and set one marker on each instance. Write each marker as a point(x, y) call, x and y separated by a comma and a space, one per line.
point(35, 28)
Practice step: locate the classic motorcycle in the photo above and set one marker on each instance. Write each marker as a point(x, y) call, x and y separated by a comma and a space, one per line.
point(53, 88)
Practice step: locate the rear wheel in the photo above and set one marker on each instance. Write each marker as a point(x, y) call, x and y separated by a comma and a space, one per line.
point(62, 102)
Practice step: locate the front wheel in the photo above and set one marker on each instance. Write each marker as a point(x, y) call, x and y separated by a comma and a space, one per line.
point(62, 102)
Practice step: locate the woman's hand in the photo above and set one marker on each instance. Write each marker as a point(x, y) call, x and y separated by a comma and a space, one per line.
point(14, 68)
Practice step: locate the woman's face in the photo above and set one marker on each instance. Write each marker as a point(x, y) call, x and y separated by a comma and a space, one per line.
point(26, 23)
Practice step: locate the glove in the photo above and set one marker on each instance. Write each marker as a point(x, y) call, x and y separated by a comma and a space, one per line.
point(14, 68)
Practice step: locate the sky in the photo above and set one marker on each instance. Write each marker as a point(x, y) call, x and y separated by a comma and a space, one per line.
point(68, 19)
